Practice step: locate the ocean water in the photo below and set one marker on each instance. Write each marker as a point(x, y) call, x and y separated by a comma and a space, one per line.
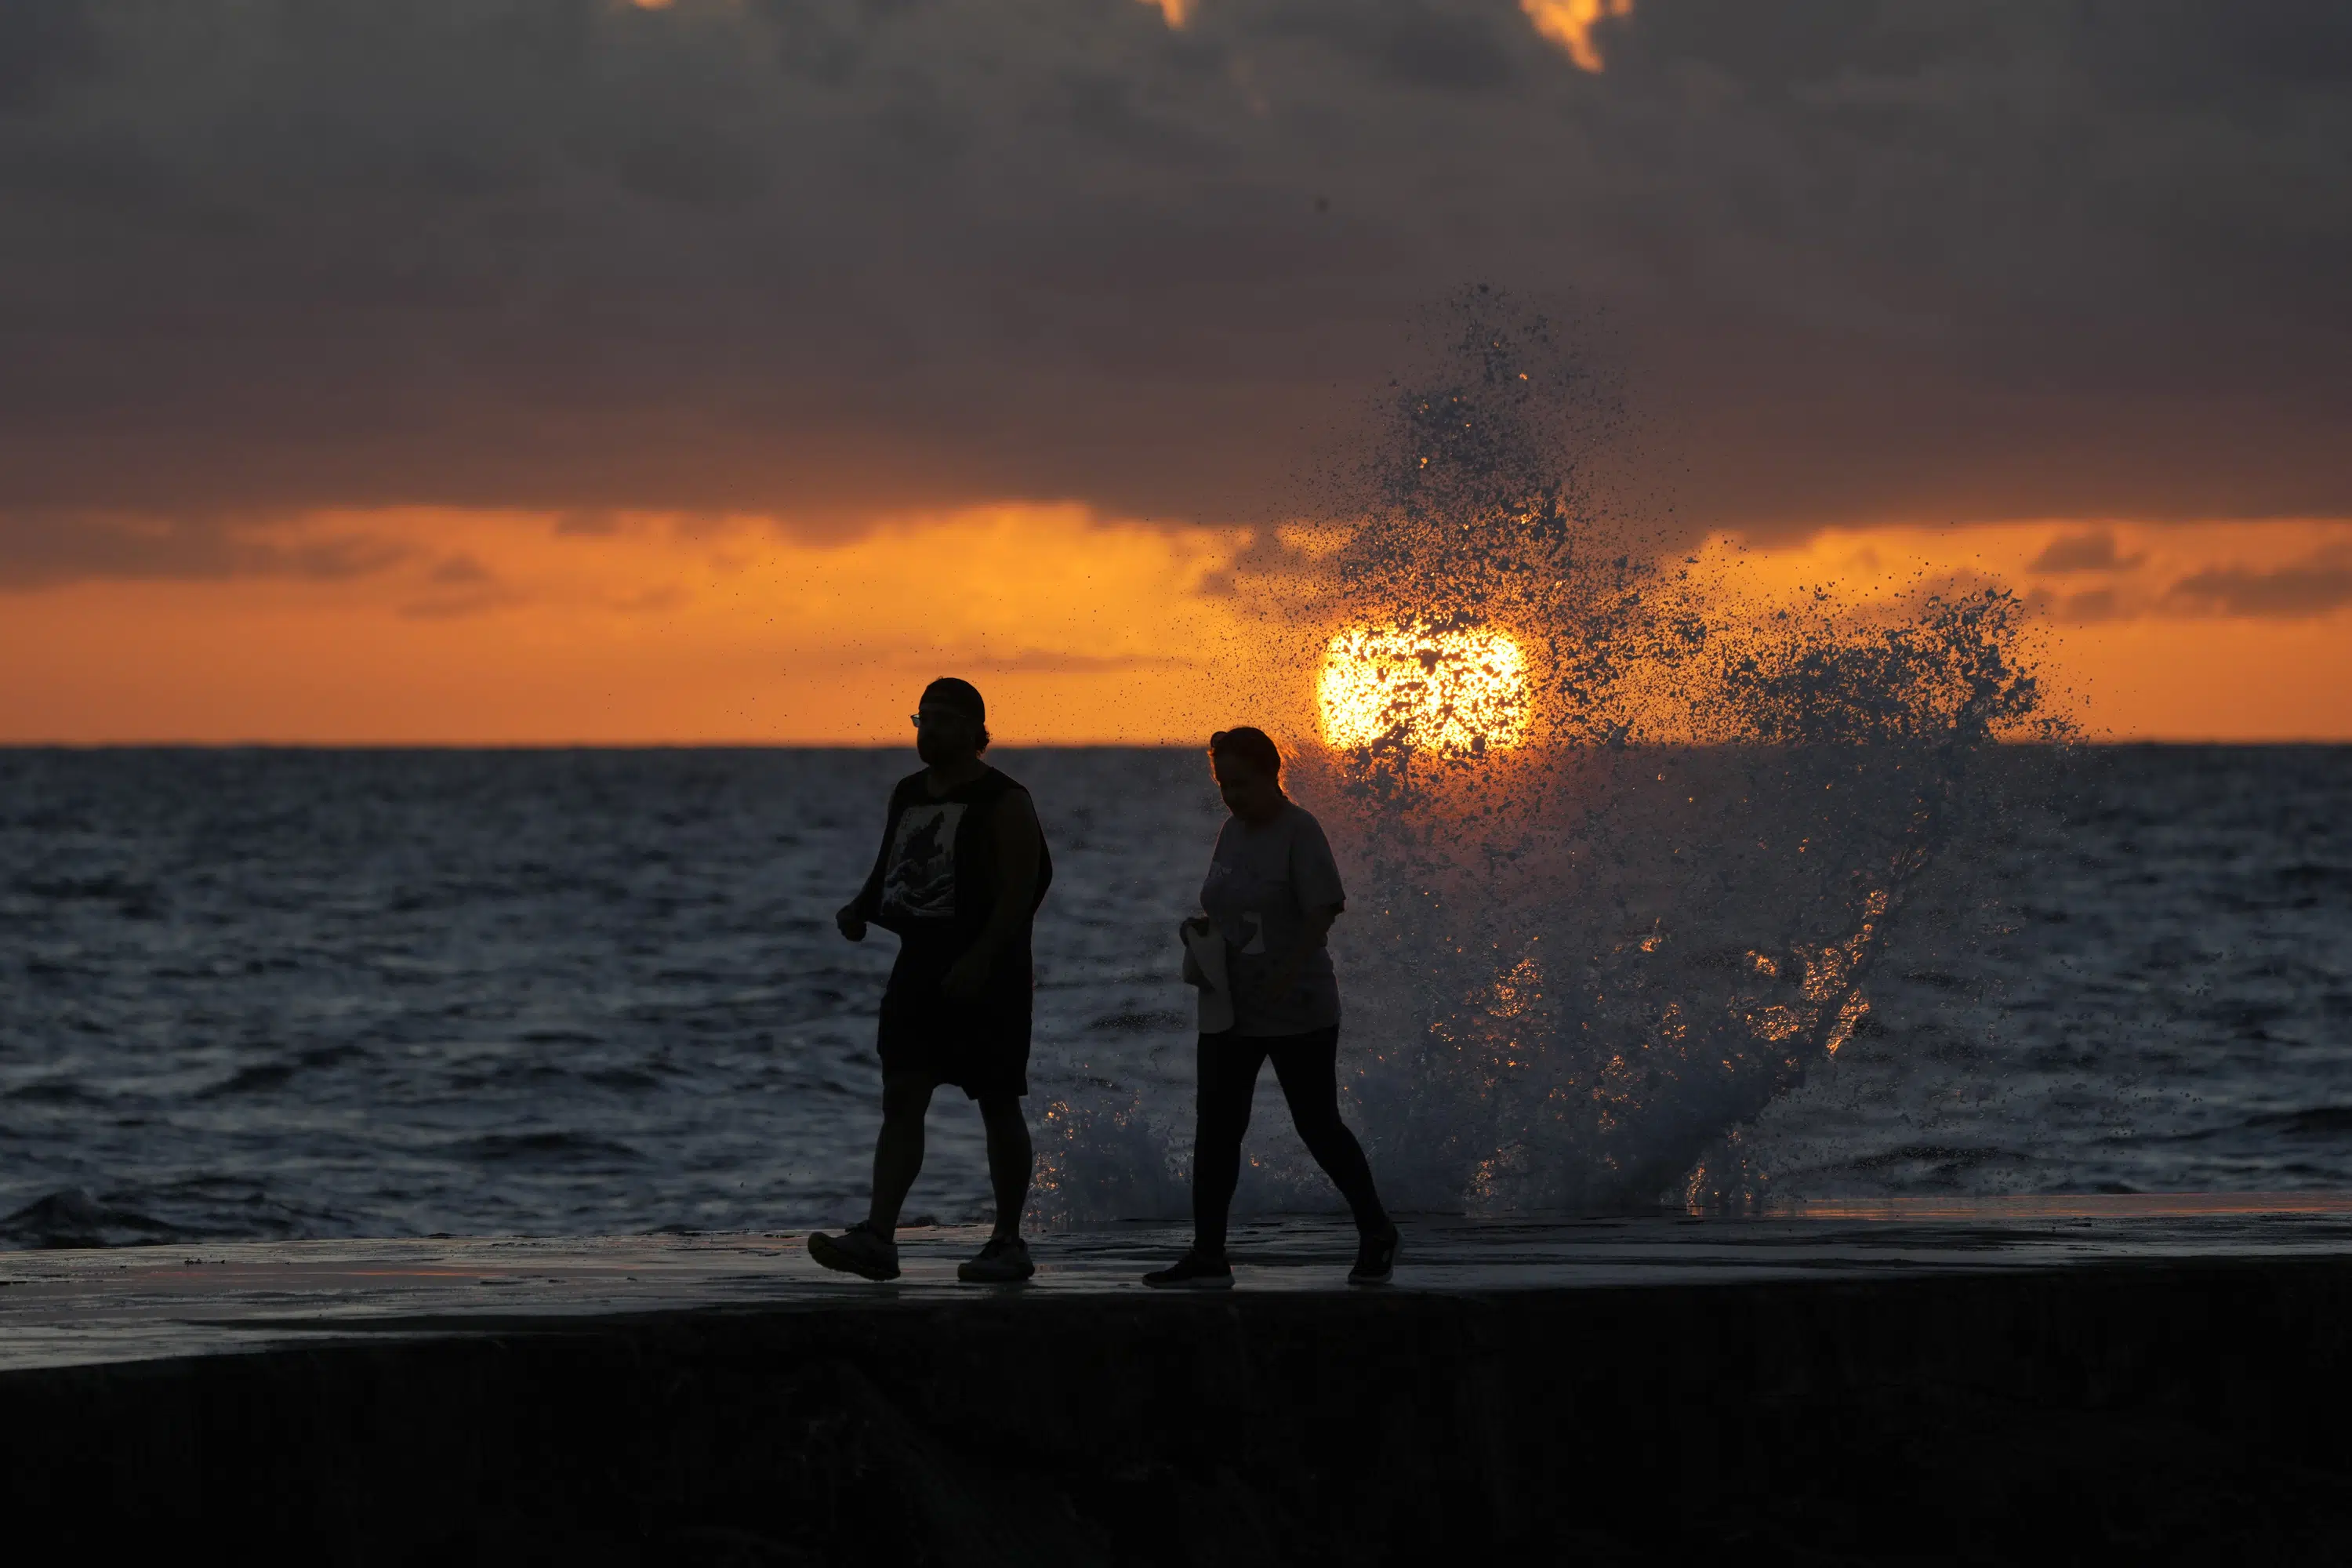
point(260, 993)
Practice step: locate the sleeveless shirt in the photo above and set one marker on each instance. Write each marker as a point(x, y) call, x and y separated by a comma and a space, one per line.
point(934, 882)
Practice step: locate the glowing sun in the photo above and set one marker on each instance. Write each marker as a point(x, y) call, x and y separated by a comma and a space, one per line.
point(1441, 691)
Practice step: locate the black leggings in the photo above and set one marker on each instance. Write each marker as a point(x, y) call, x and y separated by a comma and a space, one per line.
point(1308, 1066)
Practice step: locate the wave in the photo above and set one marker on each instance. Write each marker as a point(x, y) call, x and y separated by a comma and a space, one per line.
point(546, 1147)
point(1628, 838)
point(72, 1218)
point(249, 1081)
point(2318, 1121)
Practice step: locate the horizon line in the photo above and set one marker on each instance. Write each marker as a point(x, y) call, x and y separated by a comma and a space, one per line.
point(2103, 743)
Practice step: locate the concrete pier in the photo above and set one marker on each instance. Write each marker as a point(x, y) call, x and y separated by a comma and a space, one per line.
point(2070, 1378)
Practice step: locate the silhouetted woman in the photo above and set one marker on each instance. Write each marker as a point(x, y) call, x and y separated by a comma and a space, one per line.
point(1272, 894)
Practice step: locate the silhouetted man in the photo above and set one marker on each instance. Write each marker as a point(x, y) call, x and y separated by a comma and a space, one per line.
point(960, 873)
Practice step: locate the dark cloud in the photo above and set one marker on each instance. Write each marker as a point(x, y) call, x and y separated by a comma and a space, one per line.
point(2092, 552)
point(458, 586)
point(43, 44)
point(1862, 259)
point(459, 570)
point(39, 548)
point(2093, 605)
point(2312, 587)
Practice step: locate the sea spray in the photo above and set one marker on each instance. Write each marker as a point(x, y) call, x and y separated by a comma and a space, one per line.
point(1626, 832)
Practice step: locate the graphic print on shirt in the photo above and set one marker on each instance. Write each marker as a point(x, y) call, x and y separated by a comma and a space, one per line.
point(920, 883)
point(1255, 946)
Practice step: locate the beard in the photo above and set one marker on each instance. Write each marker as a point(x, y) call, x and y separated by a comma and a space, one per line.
point(938, 751)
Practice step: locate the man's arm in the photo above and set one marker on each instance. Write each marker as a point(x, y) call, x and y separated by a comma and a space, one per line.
point(852, 916)
point(1018, 842)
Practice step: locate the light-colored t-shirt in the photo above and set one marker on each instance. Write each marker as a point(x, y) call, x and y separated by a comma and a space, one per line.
point(1262, 882)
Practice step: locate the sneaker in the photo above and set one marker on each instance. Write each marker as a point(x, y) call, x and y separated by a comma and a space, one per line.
point(860, 1250)
point(1003, 1261)
point(1192, 1272)
point(1375, 1258)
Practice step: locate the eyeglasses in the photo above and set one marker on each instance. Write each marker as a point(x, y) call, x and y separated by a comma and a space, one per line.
point(920, 722)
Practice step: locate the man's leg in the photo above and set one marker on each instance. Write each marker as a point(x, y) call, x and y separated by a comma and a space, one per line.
point(1011, 1159)
point(898, 1152)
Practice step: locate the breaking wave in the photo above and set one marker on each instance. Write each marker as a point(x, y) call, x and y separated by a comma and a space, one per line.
point(1628, 828)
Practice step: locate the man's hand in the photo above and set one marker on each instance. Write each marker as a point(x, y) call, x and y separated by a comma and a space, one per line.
point(852, 923)
point(967, 977)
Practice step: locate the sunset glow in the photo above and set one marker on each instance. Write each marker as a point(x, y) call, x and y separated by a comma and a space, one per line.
point(693, 370)
point(1456, 692)
point(1176, 12)
point(2218, 631)
point(527, 628)
point(1569, 24)
point(498, 628)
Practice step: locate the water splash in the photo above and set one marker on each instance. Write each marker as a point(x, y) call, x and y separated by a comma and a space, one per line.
point(1583, 957)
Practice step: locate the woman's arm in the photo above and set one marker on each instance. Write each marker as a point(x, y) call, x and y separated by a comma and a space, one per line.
point(1314, 930)
point(1315, 884)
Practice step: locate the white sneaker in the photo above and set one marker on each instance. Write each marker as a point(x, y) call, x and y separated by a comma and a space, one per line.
point(1003, 1261)
point(860, 1250)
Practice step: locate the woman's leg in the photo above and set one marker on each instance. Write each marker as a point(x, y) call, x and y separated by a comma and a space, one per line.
point(1228, 1077)
point(1308, 1066)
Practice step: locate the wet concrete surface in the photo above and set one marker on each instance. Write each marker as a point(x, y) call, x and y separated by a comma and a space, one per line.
point(2069, 1379)
point(71, 1306)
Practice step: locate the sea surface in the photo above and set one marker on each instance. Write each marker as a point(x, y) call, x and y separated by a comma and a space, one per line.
point(259, 994)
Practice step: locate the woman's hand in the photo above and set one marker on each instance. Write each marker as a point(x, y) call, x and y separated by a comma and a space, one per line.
point(1186, 928)
point(852, 923)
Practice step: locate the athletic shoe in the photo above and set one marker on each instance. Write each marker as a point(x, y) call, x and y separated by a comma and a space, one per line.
point(1375, 1258)
point(1192, 1272)
point(1003, 1261)
point(861, 1251)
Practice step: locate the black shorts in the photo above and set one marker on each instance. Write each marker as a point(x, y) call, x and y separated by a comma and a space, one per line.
point(982, 1048)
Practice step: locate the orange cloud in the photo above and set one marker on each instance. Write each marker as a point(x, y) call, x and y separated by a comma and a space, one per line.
point(619, 626)
point(1569, 24)
point(532, 628)
point(2285, 569)
point(2225, 631)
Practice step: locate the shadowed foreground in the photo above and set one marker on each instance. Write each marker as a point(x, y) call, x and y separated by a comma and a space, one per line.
point(1818, 1407)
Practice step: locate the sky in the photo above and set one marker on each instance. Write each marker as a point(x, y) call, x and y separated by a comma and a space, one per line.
point(545, 371)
